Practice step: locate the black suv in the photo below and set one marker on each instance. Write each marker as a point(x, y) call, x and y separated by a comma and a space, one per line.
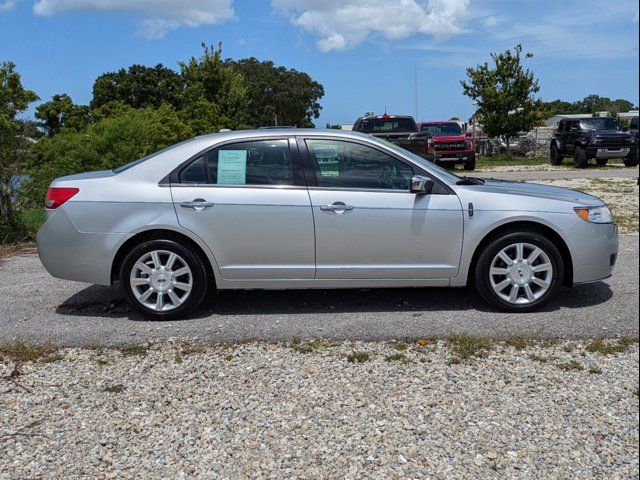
point(597, 137)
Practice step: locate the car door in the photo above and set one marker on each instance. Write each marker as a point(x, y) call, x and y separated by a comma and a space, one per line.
point(573, 131)
point(248, 201)
point(367, 223)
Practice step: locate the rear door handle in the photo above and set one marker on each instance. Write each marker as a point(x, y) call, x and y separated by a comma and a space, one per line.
point(336, 207)
point(197, 204)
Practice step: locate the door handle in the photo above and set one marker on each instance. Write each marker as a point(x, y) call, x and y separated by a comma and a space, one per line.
point(336, 207)
point(197, 204)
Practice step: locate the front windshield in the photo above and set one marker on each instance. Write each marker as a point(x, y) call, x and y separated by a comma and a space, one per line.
point(442, 129)
point(440, 172)
point(603, 123)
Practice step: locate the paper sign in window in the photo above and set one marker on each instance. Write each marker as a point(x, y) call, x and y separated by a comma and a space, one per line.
point(232, 167)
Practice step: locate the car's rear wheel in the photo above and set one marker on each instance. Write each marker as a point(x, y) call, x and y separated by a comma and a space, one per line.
point(163, 280)
point(519, 272)
point(470, 164)
point(580, 157)
point(631, 160)
point(554, 155)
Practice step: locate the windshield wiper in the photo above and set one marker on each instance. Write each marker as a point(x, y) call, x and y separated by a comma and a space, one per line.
point(470, 181)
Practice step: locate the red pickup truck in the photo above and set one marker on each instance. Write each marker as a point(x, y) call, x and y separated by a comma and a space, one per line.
point(448, 145)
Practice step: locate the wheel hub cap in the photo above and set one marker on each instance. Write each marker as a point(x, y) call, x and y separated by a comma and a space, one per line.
point(521, 273)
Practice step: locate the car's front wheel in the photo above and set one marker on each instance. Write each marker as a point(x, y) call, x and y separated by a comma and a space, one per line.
point(554, 155)
point(519, 272)
point(163, 280)
point(580, 159)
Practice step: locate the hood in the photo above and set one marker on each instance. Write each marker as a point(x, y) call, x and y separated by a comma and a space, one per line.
point(535, 190)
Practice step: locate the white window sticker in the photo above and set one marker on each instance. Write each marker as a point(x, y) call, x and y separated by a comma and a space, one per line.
point(232, 167)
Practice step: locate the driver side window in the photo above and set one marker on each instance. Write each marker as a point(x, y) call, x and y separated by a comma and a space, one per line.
point(341, 164)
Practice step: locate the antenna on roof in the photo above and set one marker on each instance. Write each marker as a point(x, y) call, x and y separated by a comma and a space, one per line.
point(385, 109)
point(415, 91)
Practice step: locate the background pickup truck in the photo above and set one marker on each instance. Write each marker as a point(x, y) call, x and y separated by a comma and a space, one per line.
point(399, 129)
point(447, 144)
point(588, 138)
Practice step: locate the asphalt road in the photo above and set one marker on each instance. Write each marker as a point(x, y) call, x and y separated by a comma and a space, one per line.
point(36, 307)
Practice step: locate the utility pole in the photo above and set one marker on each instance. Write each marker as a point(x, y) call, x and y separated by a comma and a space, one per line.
point(415, 92)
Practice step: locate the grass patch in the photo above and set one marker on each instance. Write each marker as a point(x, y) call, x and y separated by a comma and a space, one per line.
point(119, 388)
point(101, 362)
point(517, 342)
point(541, 358)
point(465, 346)
point(191, 349)
point(134, 350)
point(229, 357)
point(358, 357)
point(400, 346)
point(308, 346)
point(26, 352)
point(569, 348)
point(594, 370)
point(52, 358)
point(607, 348)
point(397, 357)
point(569, 366)
point(503, 161)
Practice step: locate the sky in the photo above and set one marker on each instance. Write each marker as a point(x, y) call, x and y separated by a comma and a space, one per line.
point(367, 54)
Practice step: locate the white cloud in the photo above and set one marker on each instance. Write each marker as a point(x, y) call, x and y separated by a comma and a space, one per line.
point(343, 24)
point(163, 15)
point(7, 5)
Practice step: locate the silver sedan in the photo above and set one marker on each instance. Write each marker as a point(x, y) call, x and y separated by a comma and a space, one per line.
point(298, 208)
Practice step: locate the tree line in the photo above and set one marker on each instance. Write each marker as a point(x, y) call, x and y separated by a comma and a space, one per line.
point(133, 112)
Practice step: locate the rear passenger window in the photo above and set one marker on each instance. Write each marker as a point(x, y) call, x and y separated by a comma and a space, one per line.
point(264, 162)
point(194, 172)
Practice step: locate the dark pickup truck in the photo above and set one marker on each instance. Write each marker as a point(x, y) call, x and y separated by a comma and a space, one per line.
point(399, 129)
point(597, 137)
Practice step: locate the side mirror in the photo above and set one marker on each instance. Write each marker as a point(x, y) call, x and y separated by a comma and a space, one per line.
point(421, 185)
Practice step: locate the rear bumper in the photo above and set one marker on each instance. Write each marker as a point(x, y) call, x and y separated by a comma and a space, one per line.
point(594, 250)
point(70, 254)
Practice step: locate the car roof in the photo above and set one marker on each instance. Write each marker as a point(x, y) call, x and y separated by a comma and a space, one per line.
point(438, 122)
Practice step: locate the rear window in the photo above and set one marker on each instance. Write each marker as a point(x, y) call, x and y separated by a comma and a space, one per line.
point(383, 125)
point(634, 123)
point(442, 129)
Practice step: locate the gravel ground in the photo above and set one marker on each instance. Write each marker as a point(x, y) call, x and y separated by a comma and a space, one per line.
point(305, 411)
point(524, 173)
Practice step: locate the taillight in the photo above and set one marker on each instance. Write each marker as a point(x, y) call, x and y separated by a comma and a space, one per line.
point(56, 196)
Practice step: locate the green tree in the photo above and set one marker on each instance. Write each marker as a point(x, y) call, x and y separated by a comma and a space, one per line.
point(139, 87)
point(277, 92)
point(61, 113)
point(504, 93)
point(16, 136)
point(104, 145)
point(212, 84)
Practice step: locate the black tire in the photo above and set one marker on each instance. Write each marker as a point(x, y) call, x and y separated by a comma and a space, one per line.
point(554, 155)
point(631, 160)
point(580, 157)
point(198, 279)
point(482, 277)
point(602, 162)
point(470, 164)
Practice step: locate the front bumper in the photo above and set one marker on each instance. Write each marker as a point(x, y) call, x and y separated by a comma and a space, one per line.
point(441, 156)
point(594, 250)
point(609, 151)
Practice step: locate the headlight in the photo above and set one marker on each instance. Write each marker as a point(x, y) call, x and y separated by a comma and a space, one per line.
point(467, 144)
point(600, 214)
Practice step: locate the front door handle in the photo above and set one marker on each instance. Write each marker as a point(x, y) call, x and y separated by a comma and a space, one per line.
point(336, 207)
point(197, 204)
